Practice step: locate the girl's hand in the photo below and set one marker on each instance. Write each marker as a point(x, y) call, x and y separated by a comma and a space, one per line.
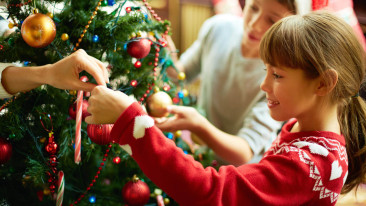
point(106, 105)
point(185, 118)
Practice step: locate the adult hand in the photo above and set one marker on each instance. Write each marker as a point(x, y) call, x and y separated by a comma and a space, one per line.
point(106, 105)
point(64, 74)
point(185, 118)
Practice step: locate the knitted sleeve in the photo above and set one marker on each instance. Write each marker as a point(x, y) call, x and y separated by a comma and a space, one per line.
point(277, 180)
point(3, 93)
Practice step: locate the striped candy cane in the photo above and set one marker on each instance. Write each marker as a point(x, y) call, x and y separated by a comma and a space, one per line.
point(159, 200)
point(79, 114)
point(61, 188)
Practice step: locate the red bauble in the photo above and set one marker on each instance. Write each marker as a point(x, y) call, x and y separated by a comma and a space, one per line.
point(5, 151)
point(51, 147)
point(136, 192)
point(85, 113)
point(139, 48)
point(100, 133)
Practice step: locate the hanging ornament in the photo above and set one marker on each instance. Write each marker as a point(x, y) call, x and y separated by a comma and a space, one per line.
point(111, 2)
point(117, 160)
point(157, 104)
point(95, 38)
point(85, 113)
point(38, 30)
point(64, 37)
point(49, 14)
point(181, 76)
point(139, 48)
point(99, 133)
point(40, 195)
point(5, 150)
point(104, 3)
point(137, 64)
point(51, 149)
point(133, 83)
point(136, 192)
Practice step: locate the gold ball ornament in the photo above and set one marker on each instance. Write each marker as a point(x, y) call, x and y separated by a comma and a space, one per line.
point(38, 30)
point(157, 103)
point(181, 76)
point(11, 25)
point(50, 15)
point(64, 37)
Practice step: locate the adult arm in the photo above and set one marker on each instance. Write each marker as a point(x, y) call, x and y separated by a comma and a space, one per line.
point(63, 74)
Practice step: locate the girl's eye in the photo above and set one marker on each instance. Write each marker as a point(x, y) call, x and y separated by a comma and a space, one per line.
point(271, 21)
point(276, 76)
point(254, 8)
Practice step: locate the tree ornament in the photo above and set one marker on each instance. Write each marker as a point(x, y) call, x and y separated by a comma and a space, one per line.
point(38, 30)
point(85, 113)
point(111, 2)
point(104, 3)
point(64, 37)
point(11, 25)
point(157, 104)
point(95, 38)
point(99, 133)
point(5, 150)
point(139, 48)
point(136, 192)
point(49, 14)
point(117, 160)
point(133, 83)
point(137, 64)
point(181, 76)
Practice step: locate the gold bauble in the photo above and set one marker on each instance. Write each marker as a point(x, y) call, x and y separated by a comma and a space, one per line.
point(50, 15)
point(64, 37)
point(157, 103)
point(11, 25)
point(181, 76)
point(38, 30)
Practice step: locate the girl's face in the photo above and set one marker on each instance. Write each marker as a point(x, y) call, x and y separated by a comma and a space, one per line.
point(259, 16)
point(290, 93)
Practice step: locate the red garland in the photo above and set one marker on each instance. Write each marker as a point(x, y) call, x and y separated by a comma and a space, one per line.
point(19, 5)
point(95, 177)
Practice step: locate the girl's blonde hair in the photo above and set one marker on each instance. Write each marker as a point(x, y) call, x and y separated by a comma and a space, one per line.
point(315, 43)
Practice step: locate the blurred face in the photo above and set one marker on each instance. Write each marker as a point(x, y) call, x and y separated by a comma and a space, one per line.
point(259, 16)
point(290, 93)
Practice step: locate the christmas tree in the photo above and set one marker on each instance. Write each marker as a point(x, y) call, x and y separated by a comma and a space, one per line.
point(39, 128)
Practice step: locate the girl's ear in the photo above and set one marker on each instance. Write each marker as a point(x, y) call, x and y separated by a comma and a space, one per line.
point(327, 82)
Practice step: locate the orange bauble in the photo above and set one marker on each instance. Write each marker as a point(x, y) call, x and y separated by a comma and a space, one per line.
point(38, 30)
point(157, 103)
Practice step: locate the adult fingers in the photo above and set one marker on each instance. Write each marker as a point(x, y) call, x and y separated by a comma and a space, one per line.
point(101, 66)
point(93, 69)
point(84, 62)
point(84, 86)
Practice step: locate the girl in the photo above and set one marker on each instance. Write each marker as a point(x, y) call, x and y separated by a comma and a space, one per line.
point(226, 55)
point(308, 81)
